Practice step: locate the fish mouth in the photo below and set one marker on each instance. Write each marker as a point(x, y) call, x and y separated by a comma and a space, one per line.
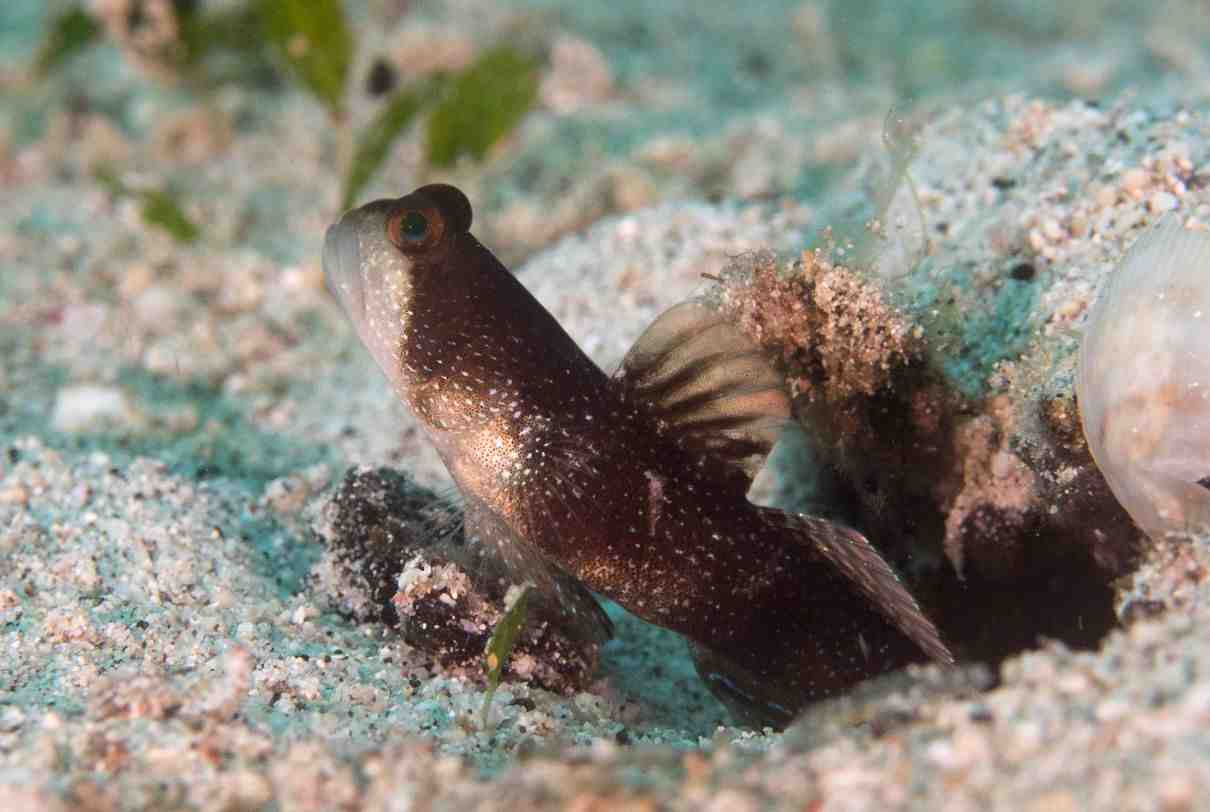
point(342, 267)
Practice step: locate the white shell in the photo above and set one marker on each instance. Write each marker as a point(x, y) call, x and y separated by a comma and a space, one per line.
point(1144, 382)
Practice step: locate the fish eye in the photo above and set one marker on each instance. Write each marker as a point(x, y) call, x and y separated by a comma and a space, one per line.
point(412, 229)
point(413, 226)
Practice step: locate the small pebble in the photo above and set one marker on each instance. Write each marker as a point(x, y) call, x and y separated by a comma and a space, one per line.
point(16, 494)
point(87, 406)
point(1051, 229)
point(1161, 202)
point(1133, 181)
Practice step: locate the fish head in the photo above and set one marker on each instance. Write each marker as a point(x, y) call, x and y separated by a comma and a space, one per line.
point(374, 254)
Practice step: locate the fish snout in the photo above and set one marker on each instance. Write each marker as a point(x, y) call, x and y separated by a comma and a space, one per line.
point(342, 267)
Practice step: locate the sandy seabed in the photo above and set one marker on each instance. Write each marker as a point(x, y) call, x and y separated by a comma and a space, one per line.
point(172, 418)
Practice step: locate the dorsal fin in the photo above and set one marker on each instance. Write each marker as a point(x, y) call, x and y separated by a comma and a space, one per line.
point(710, 387)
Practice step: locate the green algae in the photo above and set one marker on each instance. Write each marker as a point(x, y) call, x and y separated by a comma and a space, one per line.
point(224, 45)
point(500, 646)
point(313, 39)
point(159, 207)
point(469, 112)
point(484, 103)
point(70, 32)
point(374, 142)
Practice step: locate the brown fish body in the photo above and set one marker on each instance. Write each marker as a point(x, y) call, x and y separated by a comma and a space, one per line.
point(530, 425)
point(634, 484)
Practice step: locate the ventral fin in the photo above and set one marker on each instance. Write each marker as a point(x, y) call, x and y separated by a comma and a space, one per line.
point(710, 387)
point(864, 567)
point(582, 616)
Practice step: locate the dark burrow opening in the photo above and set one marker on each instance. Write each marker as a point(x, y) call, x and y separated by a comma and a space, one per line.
point(1024, 581)
point(1061, 596)
point(997, 577)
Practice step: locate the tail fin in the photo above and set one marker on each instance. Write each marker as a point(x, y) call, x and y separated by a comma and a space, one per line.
point(851, 554)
